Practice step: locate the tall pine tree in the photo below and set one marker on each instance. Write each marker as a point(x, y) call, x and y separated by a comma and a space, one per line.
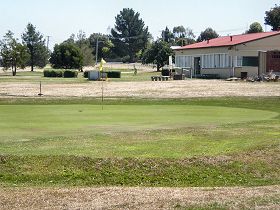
point(35, 43)
point(130, 36)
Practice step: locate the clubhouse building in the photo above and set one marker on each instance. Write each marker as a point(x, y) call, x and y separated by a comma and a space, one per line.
point(243, 55)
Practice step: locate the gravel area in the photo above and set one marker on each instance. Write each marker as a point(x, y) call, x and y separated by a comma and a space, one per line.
point(138, 198)
point(148, 89)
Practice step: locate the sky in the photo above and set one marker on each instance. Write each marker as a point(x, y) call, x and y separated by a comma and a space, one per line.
point(61, 18)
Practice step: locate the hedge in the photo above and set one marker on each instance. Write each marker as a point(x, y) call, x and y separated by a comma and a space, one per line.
point(60, 73)
point(70, 74)
point(113, 74)
point(53, 73)
point(110, 74)
point(86, 74)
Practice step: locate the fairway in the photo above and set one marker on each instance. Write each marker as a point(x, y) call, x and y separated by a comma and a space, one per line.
point(123, 130)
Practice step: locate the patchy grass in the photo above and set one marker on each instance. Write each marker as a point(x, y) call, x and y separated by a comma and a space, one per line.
point(256, 202)
point(206, 142)
point(242, 170)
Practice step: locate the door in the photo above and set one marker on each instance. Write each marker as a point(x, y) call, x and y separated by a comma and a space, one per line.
point(197, 65)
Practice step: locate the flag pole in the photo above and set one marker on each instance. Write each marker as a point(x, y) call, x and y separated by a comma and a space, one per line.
point(102, 89)
point(102, 78)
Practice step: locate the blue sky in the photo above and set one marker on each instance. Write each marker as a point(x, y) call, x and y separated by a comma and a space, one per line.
point(60, 18)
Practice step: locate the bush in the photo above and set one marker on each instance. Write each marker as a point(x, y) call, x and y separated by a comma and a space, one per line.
point(113, 74)
point(126, 59)
point(70, 74)
point(60, 73)
point(53, 73)
point(86, 74)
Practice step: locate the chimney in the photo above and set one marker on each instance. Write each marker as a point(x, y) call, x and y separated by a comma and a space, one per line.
point(231, 38)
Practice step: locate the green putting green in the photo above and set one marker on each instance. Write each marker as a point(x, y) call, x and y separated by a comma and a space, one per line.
point(25, 120)
point(174, 143)
point(120, 130)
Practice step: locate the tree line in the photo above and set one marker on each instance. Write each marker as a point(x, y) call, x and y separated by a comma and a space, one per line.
point(128, 41)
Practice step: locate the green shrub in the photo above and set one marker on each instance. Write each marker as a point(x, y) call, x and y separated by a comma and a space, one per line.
point(58, 73)
point(113, 74)
point(70, 74)
point(86, 74)
point(126, 59)
point(53, 73)
point(46, 73)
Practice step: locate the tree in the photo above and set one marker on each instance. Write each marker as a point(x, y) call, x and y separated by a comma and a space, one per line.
point(255, 28)
point(105, 45)
point(13, 53)
point(207, 34)
point(183, 36)
point(81, 38)
point(158, 54)
point(85, 47)
point(167, 36)
point(36, 45)
point(130, 34)
point(273, 18)
point(66, 56)
point(179, 31)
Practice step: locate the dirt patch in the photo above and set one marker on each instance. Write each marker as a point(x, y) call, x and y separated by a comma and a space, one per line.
point(147, 89)
point(138, 198)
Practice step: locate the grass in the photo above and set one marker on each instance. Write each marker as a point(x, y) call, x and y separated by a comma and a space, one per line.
point(257, 202)
point(36, 76)
point(195, 142)
point(126, 130)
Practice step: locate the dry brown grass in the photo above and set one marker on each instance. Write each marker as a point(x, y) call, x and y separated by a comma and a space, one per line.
point(147, 89)
point(139, 198)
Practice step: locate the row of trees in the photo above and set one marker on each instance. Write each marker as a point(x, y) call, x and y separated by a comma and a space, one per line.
point(129, 40)
point(31, 51)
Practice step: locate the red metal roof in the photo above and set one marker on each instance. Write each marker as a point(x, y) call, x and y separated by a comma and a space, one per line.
point(230, 40)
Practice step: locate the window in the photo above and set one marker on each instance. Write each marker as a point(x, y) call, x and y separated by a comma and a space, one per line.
point(183, 61)
point(239, 61)
point(211, 61)
point(250, 61)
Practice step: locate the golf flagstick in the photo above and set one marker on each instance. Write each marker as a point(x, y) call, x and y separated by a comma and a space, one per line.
point(102, 78)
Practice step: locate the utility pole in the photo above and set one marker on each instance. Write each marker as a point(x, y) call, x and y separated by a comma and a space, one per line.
point(48, 41)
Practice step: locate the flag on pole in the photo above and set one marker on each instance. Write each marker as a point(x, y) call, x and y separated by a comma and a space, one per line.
point(102, 62)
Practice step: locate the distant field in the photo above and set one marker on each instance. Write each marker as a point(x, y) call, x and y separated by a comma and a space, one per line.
point(195, 142)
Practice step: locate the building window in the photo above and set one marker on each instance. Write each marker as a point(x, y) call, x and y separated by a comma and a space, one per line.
point(250, 61)
point(183, 61)
point(239, 61)
point(211, 61)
